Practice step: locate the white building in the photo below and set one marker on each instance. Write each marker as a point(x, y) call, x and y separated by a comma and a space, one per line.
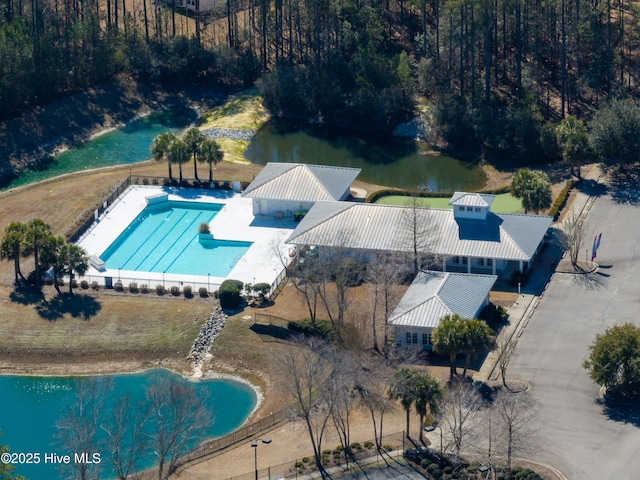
point(469, 239)
point(431, 296)
point(287, 189)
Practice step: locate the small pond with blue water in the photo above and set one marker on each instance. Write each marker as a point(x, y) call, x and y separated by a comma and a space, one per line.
point(31, 406)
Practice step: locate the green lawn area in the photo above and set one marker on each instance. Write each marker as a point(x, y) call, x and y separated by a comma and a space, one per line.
point(504, 203)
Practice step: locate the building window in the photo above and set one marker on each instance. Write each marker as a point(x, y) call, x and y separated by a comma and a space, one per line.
point(478, 209)
point(426, 339)
point(408, 338)
point(490, 262)
point(469, 209)
point(481, 262)
point(415, 338)
point(456, 260)
point(464, 260)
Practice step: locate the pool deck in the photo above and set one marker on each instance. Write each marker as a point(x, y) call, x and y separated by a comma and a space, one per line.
point(263, 262)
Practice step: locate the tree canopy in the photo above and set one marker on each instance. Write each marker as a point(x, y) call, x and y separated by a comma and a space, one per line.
point(533, 188)
point(614, 359)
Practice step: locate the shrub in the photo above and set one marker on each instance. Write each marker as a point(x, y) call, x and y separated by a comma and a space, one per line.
point(356, 446)
point(204, 228)
point(387, 448)
point(133, 287)
point(94, 285)
point(84, 284)
point(262, 289)
point(299, 465)
point(160, 289)
point(306, 459)
point(437, 473)
point(448, 469)
point(175, 291)
point(368, 445)
point(145, 181)
point(203, 292)
point(118, 286)
point(188, 292)
point(432, 467)
point(144, 288)
point(74, 283)
point(229, 294)
point(60, 282)
point(322, 328)
point(560, 201)
point(424, 463)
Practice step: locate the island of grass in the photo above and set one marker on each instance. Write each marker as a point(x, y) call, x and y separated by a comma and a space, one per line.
point(504, 202)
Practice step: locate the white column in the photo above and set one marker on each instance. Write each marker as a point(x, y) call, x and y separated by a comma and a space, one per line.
point(444, 264)
point(468, 264)
point(493, 265)
point(520, 266)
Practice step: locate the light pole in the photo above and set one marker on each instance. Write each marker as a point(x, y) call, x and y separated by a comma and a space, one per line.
point(208, 282)
point(254, 444)
point(431, 428)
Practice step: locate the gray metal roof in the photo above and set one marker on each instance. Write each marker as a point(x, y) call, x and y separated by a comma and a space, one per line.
point(384, 227)
point(297, 181)
point(472, 199)
point(432, 295)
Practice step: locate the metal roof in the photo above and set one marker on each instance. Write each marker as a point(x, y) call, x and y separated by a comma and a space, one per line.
point(301, 182)
point(384, 227)
point(472, 199)
point(432, 295)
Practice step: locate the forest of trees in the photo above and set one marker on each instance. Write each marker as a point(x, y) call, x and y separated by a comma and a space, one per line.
point(497, 71)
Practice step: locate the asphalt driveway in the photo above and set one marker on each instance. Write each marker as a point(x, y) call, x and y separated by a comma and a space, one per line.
point(579, 435)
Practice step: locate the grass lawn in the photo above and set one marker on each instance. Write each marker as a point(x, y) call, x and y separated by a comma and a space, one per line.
point(243, 111)
point(504, 203)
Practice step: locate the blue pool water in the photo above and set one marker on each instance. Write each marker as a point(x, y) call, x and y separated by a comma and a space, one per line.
point(164, 238)
point(31, 406)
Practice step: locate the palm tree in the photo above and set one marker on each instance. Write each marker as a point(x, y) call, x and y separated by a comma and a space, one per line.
point(403, 387)
point(178, 152)
point(449, 338)
point(37, 235)
point(533, 188)
point(427, 392)
point(211, 153)
point(573, 140)
point(160, 148)
point(193, 138)
point(53, 254)
point(12, 240)
point(77, 261)
point(478, 336)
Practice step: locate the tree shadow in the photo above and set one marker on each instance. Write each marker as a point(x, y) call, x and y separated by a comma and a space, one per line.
point(624, 185)
point(78, 306)
point(621, 413)
point(272, 331)
point(591, 187)
point(591, 281)
point(25, 295)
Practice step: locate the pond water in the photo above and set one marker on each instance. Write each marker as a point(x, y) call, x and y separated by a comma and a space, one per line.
point(125, 145)
point(384, 160)
point(31, 406)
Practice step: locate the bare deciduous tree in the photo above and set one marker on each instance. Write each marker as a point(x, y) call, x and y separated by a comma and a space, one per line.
point(177, 417)
point(302, 374)
point(77, 428)
point(461, 404)
point(372, 390)
point(341, 389)
point(504, 349)
point(125, 437)
point(383, 275)
point(515, 413)
point(419, 234)
point(576, 231)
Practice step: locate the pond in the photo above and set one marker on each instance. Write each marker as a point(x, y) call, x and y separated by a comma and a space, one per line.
point(31, 406)
point(384, 160)
point(125, 145)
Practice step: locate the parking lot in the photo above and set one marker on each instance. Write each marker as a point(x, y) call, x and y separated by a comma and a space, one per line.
point(578, 434)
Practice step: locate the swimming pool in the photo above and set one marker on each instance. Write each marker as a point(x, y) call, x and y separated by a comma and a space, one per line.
point(164, 238)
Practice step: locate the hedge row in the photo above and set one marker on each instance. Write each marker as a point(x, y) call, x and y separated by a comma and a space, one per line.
point(561, 201)
point(375, 196)
point(322, 328)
